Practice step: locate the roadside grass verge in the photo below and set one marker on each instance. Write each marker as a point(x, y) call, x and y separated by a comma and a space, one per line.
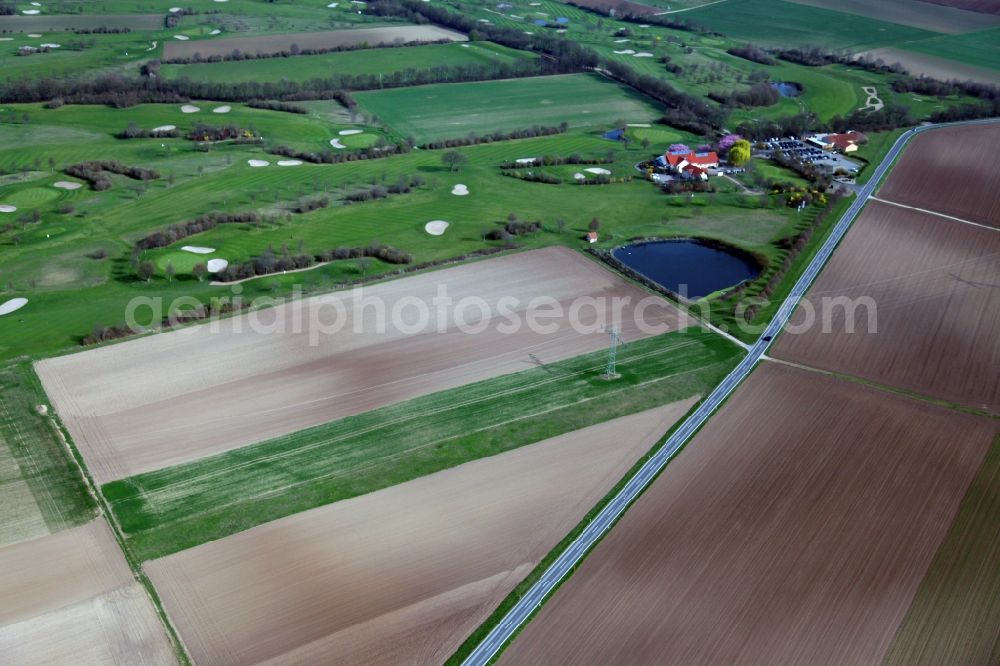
point(33, 458)
point(180, 507)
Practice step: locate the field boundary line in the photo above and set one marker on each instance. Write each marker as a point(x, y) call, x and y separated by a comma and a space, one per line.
point(933, 212)
point(570, 557)
point(688, 9)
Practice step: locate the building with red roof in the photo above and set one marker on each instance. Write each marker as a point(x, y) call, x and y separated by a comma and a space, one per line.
point(704, 161)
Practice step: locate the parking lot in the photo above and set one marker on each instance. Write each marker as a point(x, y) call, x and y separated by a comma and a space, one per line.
point(811, 154)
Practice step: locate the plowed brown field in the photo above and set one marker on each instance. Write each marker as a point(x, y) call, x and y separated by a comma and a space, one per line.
point(264, 44)
point(936, 287)
point(951, 171)
point(70, 598)
point(794, 529)
point(401, 575)
point(174, 397)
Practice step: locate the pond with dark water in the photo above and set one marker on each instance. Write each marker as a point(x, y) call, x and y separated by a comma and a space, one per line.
point(688, 267)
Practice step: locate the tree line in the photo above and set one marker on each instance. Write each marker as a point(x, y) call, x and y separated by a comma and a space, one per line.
point(96, 172)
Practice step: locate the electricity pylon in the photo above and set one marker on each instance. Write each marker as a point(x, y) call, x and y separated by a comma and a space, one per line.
point(611, 372)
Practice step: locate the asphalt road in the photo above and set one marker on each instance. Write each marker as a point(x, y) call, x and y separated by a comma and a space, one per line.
point(572, 555)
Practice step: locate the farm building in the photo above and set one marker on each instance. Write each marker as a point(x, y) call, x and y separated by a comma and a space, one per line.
point(690, 161)
point(846, 142)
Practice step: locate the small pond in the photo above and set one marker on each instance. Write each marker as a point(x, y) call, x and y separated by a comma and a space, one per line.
point(688, 267)
point(787, 88)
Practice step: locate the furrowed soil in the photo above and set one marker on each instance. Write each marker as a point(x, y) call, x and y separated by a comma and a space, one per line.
point(932, 285)
point(71, 598)
point(794, 529)
point(265, 44)
point(404, 574)
point(955, 617)
point(174, 397)
point(951, 171)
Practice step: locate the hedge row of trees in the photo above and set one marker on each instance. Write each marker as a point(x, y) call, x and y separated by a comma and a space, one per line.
point(473, 138)
point(96, 172)
point(181, 230)
point(753, 53)
point(330, 157)
point(268, 262)
point(684, 111)
point(403, 185)
point(554, 160)
point(292, 51)
point(759, 94)
point(205, 132)
point(133, 131)
point(272, 105)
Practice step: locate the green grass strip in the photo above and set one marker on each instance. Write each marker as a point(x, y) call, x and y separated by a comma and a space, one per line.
point(180, 507)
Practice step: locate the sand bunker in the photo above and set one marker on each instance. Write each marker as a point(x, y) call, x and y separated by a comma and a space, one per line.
point(66, 185)
point(289, 162)
point(165, 128)
point(258, 163)
point(7, 208)
point(333, 4)
point(34, 35)
point(436, 227)
point(152, 47)
point(49, 46)
point(622, 41)
point(579, 176)
point(183, 38)
point(216, 265)
point(460, 190)
point(526, 160)
point(336, 143)
point(599, 171)
point(190, 108)
point(222, 109)
point(174, 10)
point(484, 20)
point(30, 12)
point(643, 54)
point(626, 52)
point(353, 131)
point(214, 32)
point(6, 39)
point(18, 303)
point(197, 249)
point(639, 125)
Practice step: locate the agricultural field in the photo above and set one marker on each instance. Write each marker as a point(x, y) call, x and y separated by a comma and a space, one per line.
point(41, 490)
point(457, 109)
point(266, 44)
point(924, 319)
point(186, 505)
point(934, 66)
point(912, 13)
point(950, 171)
point(71, 597)
point(979, 49)
point(956, 603)
point(781, 23)
point(330, 356)
point(403, 574)
point(794, 528)
point(367, 61)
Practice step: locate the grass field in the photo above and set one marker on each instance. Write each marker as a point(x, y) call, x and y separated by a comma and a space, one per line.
point(367, 61)
point(182, 506)
point(778, 23)
point(41, 489)
point(955, 614)
point(455, 110)
point(981, 48)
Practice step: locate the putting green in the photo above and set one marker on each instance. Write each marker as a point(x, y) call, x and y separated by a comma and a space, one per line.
point(31, 197)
